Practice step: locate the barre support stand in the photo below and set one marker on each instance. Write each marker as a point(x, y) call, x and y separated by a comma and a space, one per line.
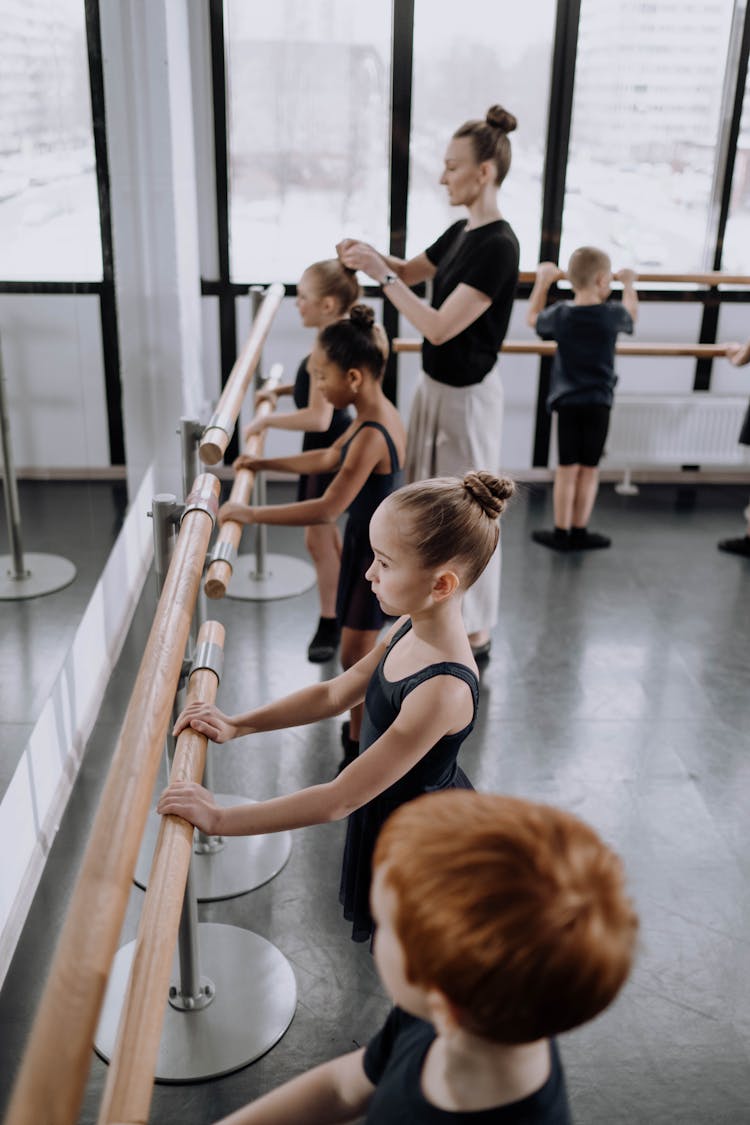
point(274, 576)
point(233, 993)
point(223, 867)
point(35, 574)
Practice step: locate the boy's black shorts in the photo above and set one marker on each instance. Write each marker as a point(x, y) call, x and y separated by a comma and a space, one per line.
point(581, 433)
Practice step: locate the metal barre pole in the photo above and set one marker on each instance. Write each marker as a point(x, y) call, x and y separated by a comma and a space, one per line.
point(214, 1023)
point(46, 573)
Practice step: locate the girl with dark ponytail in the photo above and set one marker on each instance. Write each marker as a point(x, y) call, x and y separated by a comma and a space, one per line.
point(366, 461)
point(457, 413)
point(430, 542)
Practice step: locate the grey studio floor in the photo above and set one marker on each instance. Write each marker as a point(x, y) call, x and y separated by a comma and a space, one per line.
point(618, 688)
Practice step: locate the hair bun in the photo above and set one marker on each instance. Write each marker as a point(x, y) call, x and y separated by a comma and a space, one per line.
point(362, 317)
point(490, 492)
point(499, 118)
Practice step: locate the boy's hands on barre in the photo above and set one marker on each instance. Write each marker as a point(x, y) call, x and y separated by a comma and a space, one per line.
point(206, 718)
point(626, 277)
point(547, 273)
point(234, 512)
point(738, 354)
point(192, 802)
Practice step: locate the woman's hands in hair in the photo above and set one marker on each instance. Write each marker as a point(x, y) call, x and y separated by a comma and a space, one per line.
point(206, 718)
point(361, 256)
point(232, 512)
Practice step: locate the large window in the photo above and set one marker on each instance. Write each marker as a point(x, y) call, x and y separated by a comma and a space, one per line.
point(736, 255)
point(646, 115)
point(468, 57)
point(309, 111)
point(49, 215)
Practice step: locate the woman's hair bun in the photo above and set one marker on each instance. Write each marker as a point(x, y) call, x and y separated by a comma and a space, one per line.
point(490, 492)
point(362, 317)
point(499, 118)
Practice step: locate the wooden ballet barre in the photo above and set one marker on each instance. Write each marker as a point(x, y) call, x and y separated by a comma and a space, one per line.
point(711, 278)
point(221, 425)
point(130, 1078)
point(50, 1084)
point(549, 347)
point(227, 545)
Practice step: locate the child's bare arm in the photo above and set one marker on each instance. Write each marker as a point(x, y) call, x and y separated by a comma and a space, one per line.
point(629, 294)
point(331, 1094)
point(546, 274)
point(738, 354)
point(435, 708)
point(308, 705)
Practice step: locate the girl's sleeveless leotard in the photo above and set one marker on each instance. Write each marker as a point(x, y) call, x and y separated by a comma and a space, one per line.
point(438, 769)
point(356, 605)
point(313, 485)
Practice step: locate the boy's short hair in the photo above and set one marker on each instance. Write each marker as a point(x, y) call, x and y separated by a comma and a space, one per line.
point(516, 912)
point(585, 263)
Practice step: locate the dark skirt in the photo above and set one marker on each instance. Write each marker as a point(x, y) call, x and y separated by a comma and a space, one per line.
point(356, 605)
point(312, 485)
point(745, 431)
point(362, 831)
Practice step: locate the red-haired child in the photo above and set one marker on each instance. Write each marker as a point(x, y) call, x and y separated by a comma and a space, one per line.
point(500, 924)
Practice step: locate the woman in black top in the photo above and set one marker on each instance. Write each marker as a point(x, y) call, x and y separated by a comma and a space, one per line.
point(456, 417)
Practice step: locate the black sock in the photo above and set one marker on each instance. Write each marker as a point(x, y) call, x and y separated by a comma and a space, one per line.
point(578, 533)
point(561, 534)
point(328, 627)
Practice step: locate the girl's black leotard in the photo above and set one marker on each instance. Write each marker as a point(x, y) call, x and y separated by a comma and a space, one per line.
point(312, 485)
point(356, 605)
point(438, 769)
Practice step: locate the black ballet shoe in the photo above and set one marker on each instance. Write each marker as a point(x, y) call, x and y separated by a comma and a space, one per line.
point(736, 546)
point(322, 647)
point(482, 653)
point(583, 540)
point(557, 540)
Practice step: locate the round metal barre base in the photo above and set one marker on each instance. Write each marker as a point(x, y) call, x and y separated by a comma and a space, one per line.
point(253, 1005)
point(44, 575)
point(284, 577)
point(240, 865)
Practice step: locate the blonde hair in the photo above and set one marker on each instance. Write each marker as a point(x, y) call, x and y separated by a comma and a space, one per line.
point(585, 263)
point(332, 279)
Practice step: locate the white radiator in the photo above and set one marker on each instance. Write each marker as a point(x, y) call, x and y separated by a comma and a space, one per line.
point(696, 429)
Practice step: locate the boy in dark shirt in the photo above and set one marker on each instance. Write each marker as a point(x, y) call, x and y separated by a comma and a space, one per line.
point(500, 924)
point(582, 383)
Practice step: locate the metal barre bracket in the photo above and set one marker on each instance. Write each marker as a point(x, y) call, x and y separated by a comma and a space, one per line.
point(216, 422)
point(197, 503)
point(224, 552)
point(210, 656)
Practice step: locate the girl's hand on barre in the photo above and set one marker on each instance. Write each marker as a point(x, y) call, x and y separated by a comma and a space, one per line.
point(738, 354)
point(234, 512)
point(193, 803)
point(266, 396)
point(626, 277)
point(257, 426)
point(245, 460)
point(206, 718)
